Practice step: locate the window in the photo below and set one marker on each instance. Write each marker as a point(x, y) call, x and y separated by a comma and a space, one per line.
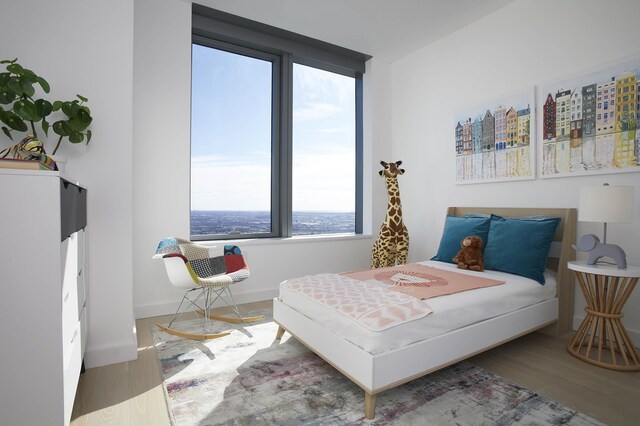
point(231, 131)
point(323, 161)
point(276, 132)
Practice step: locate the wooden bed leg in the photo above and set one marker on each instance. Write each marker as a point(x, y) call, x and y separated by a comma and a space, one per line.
point(369, 405)
point(280, 332)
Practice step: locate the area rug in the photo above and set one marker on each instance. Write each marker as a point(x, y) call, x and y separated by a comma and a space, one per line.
point(249, 378)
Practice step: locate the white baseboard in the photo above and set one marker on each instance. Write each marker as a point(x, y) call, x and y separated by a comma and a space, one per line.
point(633, 334)
point(97, 356)
point(166, 308)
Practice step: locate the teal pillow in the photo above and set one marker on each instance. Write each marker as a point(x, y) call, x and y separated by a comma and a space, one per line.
point(455, 230)
point(520, 245)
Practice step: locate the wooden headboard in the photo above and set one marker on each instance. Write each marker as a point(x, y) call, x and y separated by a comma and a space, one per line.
point(561, 252)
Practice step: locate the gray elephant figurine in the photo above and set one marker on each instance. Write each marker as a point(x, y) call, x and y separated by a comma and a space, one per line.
point(591, 244)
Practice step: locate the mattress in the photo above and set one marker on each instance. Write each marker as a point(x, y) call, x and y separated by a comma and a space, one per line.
point(449, 312)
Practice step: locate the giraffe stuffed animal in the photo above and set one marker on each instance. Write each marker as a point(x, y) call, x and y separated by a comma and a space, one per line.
point(392, 245)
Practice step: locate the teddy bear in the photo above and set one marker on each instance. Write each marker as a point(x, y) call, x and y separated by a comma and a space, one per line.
point(470, 254)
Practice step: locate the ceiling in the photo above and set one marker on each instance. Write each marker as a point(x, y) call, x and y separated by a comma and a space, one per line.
point(385, 29)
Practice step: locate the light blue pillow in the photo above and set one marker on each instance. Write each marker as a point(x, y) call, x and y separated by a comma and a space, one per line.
point(520, 245)
point(455, 230)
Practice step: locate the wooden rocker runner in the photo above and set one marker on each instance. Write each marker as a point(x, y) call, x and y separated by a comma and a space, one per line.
point(206, 279)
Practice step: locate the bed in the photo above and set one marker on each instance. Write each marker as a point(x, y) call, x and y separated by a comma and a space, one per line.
point(378, 361)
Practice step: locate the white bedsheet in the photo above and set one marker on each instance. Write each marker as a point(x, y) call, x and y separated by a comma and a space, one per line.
point(449, 312)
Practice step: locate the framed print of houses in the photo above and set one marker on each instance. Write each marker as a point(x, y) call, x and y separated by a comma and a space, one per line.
point(589, 123)
point(494, 140)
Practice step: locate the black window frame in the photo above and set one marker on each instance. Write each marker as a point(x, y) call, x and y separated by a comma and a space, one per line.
point(223, 31)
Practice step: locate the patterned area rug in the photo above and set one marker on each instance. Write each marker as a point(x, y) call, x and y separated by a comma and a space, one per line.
point(249, 378)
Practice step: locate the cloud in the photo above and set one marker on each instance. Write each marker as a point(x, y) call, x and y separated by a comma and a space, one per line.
point(226, 184)
point(321, 181)
point(315, 111)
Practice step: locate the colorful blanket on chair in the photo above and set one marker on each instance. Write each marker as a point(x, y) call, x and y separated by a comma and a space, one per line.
point(383, 298)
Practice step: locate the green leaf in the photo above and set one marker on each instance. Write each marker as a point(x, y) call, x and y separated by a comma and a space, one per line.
point(26, 84)
point(15, 68)
point(13, 121)
point(14, 85)
point(70, 108)
point(8, 133)
point(30, 75)
point(4, 78)
point(83, 117)
point(45, 127)
point(43, 83)
point(26, 110)
point(57, 105)
point(82, 98)
point(7, 96)
point(43, 107)
point(21, 86)
point(76, 137)
point(7, 61)
point(89, 134)
point(62, 128)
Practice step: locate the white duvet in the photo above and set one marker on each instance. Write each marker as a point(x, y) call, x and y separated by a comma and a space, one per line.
point(449, 312)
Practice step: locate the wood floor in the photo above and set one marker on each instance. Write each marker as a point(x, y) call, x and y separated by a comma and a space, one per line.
point(131, 393)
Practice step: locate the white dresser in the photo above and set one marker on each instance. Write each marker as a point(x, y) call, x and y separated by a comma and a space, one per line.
point(43, 316)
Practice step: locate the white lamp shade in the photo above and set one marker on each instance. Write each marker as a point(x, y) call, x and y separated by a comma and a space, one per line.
point(611, 204)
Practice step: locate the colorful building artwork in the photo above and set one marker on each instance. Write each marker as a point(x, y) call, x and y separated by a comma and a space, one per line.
point(605, 107)
point(589, 124)
point(501, 127)
point(493, 140)
point(476, 135)
point(466, 137)
point(563, 114)
point(459, 139)
point(576, 114)
point(524, 126)
point(549, 118)
point(626, 102)
point(589, 110)
point(512, 128)
point(488, 131)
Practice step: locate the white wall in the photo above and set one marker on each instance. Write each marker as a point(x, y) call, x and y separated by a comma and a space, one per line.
point(522, 44)
point(162, 74)
point(86, 47)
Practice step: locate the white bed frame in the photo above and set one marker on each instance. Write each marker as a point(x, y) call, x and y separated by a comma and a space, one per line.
point(377, 373)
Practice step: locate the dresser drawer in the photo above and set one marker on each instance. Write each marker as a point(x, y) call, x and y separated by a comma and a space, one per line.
point(70, 314)
point(69, 262)
point(83, 330)
point(81, 291)
point(81, 235)
point(73, 208)
point(71, 372)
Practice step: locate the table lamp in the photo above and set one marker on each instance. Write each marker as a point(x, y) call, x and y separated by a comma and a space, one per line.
point(607, 204)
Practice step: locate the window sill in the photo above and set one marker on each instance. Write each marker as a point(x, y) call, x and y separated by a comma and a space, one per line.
point(300, 239)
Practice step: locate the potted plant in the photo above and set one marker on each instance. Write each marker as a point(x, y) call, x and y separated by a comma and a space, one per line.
point(23, 111)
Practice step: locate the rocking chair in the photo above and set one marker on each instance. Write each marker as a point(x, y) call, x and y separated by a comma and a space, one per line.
point(207, 278)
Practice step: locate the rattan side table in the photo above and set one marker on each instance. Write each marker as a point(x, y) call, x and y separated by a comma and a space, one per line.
point(601, 339)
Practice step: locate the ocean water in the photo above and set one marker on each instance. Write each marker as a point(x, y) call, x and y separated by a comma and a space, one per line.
point(208, 222)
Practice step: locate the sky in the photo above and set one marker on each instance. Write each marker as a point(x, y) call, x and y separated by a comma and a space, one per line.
point(231, 135)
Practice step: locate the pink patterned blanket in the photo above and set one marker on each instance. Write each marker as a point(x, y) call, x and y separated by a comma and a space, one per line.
point(382, 298)
point(421, 281)
point(373, 306)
